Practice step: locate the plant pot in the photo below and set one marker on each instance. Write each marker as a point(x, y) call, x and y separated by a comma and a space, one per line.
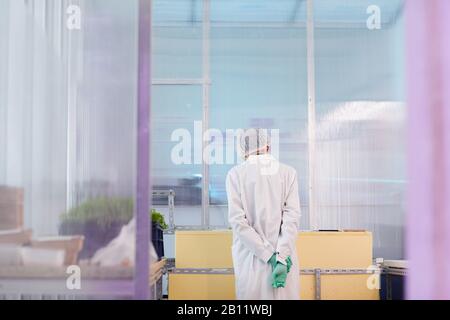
point(158, 239)
point(95, 236)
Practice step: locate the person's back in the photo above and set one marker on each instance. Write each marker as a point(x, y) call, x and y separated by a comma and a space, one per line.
point(263, 193)
point(264, 211)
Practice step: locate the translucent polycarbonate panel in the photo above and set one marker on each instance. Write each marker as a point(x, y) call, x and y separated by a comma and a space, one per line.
point(4, 54)
point(32, 120)
point(102, 120)
point(258, 79)
point(360, 121)
point(68, 101)
point(177, 39)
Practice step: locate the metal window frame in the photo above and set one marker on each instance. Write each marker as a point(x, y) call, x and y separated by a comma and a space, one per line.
point(206, 103)
point(205, 82)
point(310, 46)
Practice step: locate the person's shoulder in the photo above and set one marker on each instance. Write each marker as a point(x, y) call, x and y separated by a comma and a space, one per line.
point(234, 170)
point(287, 167)
point(289, 170)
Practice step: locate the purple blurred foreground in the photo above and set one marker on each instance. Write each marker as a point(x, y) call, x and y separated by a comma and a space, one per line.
point(428, 65)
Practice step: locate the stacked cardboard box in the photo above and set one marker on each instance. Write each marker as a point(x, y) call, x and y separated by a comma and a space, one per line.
point(202, 249)
point(323, 250)
point(341, 251)
point(71, 245)
point(11, 208)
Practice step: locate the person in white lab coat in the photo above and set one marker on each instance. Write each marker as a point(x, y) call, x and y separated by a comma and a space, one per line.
point(264, 212)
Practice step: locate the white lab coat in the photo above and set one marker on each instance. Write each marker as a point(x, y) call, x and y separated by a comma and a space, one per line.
point(264, 212)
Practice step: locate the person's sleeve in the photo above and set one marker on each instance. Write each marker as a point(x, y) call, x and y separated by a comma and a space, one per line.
point(289, 224)
point(239, 223)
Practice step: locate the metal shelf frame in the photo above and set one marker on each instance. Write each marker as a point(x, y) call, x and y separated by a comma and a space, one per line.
point(170, 194)
point(317, 272)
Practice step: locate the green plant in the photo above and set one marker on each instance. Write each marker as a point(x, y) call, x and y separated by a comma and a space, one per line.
point(158, 218)
point(106, 211)
point(102, 211)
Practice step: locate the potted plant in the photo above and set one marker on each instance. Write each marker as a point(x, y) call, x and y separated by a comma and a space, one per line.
point(158, 227)
point(100, 221)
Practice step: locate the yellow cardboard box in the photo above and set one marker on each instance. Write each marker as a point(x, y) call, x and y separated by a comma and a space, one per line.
point(201, 287)
point(203, 249)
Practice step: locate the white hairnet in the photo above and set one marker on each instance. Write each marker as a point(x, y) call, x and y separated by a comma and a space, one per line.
point(253, 141)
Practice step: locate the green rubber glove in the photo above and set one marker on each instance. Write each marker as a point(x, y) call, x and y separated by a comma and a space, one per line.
point(273, 261)
point(279, 275)
point(288, 264)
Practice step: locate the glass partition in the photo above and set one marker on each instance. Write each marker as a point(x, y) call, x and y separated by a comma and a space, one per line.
point(256, 62)
point(68, 129)
point(259, 79)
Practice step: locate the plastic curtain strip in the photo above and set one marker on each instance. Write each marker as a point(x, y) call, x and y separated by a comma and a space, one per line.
point(357, 137)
